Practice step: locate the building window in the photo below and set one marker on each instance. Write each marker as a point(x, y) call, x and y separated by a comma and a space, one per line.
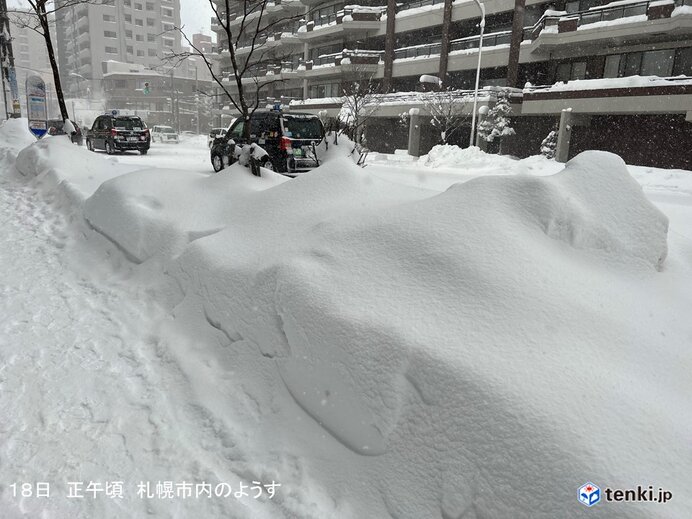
point(120, 83)
point(138, 7)
point(111, 50)
point(128, 18)
point(658, 63)
point(631, 64)
point(570, 71)
point(140, 37)
point(152, 52)
point(326, 90)
point(151, 37)
point(128, 49)
point(140, 53)
point(683, 62)
point(139, 23)
point(128, 3)
point(150, 6)
point(150, 22)
point(167, 27)
point(578, 70)
point(128, 34)
point(109, 34)
point(612, 66)
point(108, 18)
point(168, 42)
point(167, 12)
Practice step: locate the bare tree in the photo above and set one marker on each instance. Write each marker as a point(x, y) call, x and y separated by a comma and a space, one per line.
point(445, 109)
point(360, 100)
point(246, 25)
point(38, 18)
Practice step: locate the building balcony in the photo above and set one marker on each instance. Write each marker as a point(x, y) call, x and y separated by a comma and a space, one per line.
point(351, 20)
point(273, 9)
point(83, 38)
point(613, 24)
point(343, 62)
point(627, 95)
point(463, 54)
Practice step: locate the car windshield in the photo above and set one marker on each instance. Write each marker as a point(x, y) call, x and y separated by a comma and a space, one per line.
point(302, 127)
point(167, 129)
point(129, 124)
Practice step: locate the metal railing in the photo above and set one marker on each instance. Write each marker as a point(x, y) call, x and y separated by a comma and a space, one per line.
point(605, 13)
point(470, 42)
point(418, 3)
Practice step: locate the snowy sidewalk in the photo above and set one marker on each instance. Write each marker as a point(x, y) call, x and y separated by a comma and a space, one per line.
point(85, 388)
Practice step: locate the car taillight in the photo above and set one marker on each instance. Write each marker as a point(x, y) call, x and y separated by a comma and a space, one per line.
point(114, 132)
point(285, 144)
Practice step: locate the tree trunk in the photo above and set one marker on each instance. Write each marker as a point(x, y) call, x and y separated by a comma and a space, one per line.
point(43, 17)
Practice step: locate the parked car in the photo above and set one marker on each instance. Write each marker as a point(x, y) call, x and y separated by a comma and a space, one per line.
point(290, 140)
point(214, 134)
point(118, 133)
point(164, 134)
point(57, 127)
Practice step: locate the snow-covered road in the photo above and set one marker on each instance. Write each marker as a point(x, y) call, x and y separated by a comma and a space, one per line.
point(89, 394)
point(163, 327)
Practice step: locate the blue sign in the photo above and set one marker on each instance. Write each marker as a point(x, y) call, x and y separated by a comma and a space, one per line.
point(115, 113)
point(36, 105)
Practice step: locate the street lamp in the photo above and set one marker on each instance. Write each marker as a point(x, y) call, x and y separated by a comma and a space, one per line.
point(478, 71)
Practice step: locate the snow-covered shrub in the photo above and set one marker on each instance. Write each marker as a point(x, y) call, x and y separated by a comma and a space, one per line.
point(497, 124)
point(549, 145)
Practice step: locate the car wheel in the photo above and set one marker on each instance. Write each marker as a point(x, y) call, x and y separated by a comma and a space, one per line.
point(109, 148)
point(267, 164)
point(152, 139)
point(90, 146)
point(143, 152)
point(218, 163)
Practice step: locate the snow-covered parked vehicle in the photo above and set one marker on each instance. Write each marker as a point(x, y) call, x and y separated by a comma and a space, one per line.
point(161, 133)
point(290, 141)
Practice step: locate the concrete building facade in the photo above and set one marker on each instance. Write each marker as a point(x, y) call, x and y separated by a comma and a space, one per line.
point(578, 54)
point(129, 31)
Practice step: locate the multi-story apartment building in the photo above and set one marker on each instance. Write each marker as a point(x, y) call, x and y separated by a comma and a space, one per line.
point(592, 49)
point(130, 31)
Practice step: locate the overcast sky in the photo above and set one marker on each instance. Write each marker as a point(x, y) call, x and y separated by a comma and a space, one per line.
point(195, 15)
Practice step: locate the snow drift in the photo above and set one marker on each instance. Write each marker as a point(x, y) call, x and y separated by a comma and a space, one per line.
point(388, 351)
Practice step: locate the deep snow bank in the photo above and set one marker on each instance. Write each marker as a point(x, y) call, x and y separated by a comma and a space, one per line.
point(14, 136)
point(476, 353)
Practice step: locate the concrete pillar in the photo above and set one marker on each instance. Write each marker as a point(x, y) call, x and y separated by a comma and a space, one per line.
point(389, 44)
point(480, 141)
point(515, 43)
point(444, 48)
point(564, 135)
point(414, 132)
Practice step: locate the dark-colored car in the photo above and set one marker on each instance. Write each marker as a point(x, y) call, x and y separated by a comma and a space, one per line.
point(118, 133)
point(290, 140)
point(57, 127)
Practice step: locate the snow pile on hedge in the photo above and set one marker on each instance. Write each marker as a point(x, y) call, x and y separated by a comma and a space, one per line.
point(479, 352)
